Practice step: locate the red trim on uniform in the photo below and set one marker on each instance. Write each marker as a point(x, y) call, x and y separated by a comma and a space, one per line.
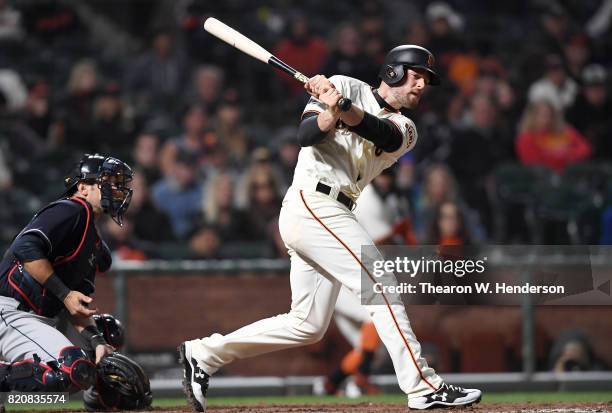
point(373, 280)
point(71, 368)
point(48, 370)
point(21, 293)
point(74, 254)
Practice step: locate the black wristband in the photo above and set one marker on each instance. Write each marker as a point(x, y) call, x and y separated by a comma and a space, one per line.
point(57, 287)
point(92, 335)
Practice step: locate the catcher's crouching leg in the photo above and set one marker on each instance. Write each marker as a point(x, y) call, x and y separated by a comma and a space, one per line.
point(72, 372)
point(121, 384)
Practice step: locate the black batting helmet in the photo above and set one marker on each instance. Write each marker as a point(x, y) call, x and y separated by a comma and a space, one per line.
point(113, 177)
point(411, 56)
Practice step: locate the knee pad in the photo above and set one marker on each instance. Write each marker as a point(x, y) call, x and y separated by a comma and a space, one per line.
point(72, 372)
point(32, 375)
point(78, 370)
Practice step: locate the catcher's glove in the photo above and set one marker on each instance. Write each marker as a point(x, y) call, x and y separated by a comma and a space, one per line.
point(121, 385)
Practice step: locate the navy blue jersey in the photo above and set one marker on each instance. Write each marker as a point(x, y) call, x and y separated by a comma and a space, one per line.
point(71, 245)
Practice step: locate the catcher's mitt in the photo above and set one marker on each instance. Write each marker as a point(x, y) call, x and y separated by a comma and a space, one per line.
point(121, 385)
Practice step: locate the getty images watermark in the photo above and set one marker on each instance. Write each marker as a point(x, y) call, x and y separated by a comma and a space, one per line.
point(489, 275)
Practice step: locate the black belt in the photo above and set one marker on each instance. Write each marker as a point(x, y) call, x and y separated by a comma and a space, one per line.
point(342, 197)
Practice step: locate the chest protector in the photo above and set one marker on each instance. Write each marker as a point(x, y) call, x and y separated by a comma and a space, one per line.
point(77, 270)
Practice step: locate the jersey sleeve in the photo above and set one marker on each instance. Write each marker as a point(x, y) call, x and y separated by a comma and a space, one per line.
point(409, 133)
point(315, 106)
point(54, 224)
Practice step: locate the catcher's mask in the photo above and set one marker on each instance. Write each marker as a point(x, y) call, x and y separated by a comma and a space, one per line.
point(112, 176)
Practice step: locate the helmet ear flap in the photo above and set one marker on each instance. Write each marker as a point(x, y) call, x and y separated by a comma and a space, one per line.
point(392, 74)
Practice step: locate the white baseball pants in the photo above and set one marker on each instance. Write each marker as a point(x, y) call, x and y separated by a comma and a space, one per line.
point(324, 241)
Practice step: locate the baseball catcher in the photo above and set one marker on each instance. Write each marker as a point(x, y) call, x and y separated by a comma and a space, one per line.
point(49, 339)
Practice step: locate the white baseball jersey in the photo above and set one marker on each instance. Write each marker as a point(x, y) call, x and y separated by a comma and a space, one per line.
point(345, 160)
point(324, 242)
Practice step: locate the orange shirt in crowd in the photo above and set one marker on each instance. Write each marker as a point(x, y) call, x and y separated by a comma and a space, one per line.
point(308, 57)
point(554, 150)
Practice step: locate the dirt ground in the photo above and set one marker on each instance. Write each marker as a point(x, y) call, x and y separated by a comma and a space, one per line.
point(580, 407)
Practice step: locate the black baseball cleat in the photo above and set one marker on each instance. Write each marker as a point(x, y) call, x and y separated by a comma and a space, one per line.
point(446, 396)
point(195, 380)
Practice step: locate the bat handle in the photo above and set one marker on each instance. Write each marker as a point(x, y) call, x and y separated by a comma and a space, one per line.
point(345, 104)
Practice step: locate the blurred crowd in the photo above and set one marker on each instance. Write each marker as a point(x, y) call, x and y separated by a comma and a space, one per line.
point(514, 147)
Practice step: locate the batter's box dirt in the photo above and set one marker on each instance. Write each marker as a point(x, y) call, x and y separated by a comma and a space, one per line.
point(582, 407)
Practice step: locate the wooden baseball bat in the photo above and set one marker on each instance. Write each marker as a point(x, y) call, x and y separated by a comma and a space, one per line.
point(248, 46)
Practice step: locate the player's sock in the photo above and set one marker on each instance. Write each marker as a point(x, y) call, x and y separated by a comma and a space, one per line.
point(334, 380)
point(365, 367)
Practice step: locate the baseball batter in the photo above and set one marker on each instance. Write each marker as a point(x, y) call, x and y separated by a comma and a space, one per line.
point(341, 153)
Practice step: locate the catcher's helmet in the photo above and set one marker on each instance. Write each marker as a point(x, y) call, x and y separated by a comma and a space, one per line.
point(411, 56)
point(112, 176)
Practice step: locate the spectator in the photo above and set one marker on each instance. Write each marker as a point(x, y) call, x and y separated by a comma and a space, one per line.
point(445, 26)
point(545, 139)
point(231, 132)
point(12, 89)
point(287, 154)
point(572, 351)
point(195, 123)
point(111, 130)
point(149, 224)
point(146, 156)
point(300, 49)
point(220, 213)
point(577, 53)
point(121, 241)
point(548, 39)
point(261, 160)
point(18, 205)
point(208, 84)
point(448, 226)
point(75, 116)
point(38, 108)
point(477, 148)
point(348, 56)
point(556, 85)
point(438, 186)
point(10, 23)
point(372, 27)
point(264, 201)
point(204, 243)
point(590, 114)
point(159, 75)
point(179, 194)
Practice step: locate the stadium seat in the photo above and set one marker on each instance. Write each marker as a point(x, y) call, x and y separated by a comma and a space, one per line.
point(566, 214)
point(588, 177)
point(516, 187)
